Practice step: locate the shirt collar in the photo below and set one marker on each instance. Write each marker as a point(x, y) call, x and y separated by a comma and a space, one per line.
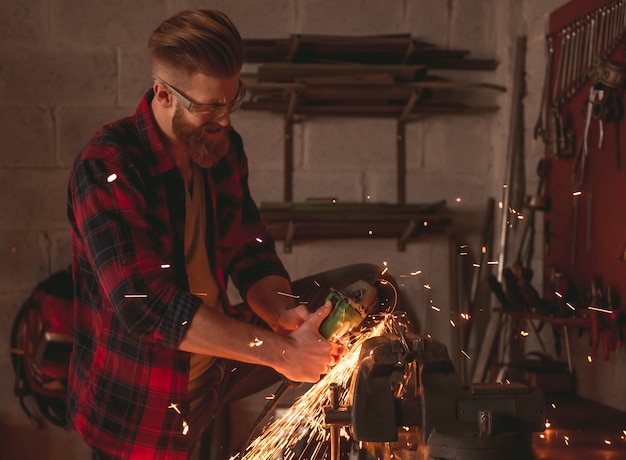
point(151, 135)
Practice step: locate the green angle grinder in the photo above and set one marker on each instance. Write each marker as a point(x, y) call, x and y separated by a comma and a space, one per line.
point(347, 313)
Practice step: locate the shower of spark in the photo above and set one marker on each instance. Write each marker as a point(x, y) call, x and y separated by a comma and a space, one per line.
point(305, 418)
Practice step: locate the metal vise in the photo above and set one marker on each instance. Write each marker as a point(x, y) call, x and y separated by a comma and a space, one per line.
point(408, 382)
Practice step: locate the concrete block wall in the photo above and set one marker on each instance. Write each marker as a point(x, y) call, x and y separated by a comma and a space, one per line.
point(67, 67)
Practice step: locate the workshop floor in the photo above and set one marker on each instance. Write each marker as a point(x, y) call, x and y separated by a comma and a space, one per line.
point(581, 430)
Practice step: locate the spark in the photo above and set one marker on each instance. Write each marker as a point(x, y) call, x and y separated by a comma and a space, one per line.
point(200, 294)
point(184, 323)
point(385, 270)
point(112, 177)
point(185, 427)
point(316, 283)
point(452, 322)
point(465, 316)
point(135, 296)
point(558, 294)
point(547, 423)
point(427, 286)
point(476, 265)
point(607, 442)
point(370, 232)
point(465, 354)
point(165, 266)
point(419, 272)
point(270, 397)
point(500, 205)
point(566, 439)
point(602, 310)
point(259, 240)
point(305, 418)
point(425, 223)
point(492, 262)
point(458, 199)
point(524, 333)
point(577, 193)
point(553, 406)
point(286, 294)
point(435, 308)
point(570, 306)
point(483, 250)
point(175, 407)
point(589, 358)
point(256, 343)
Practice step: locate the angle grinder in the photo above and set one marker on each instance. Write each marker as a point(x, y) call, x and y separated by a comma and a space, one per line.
point(347, 313)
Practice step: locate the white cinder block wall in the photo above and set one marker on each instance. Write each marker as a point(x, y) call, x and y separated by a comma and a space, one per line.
point(66, 67)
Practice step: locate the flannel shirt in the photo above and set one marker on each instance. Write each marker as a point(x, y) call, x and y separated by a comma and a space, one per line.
point(128, 382)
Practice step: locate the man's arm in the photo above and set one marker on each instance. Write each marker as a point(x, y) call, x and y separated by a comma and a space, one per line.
point(270, 298)
point(301, 356)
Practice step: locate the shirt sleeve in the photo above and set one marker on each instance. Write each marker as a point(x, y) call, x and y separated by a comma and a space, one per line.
point(125, 239)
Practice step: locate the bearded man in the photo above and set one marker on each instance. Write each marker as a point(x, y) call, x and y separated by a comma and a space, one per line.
point(162, 218)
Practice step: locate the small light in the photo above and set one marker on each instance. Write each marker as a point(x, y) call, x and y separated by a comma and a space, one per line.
point(166, 266)
point(112, 177)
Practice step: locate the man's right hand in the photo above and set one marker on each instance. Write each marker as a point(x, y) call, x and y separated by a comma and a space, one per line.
point(310, 355)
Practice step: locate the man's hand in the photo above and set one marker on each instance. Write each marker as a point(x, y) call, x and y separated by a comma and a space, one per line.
point(310, 354)
point(292, 319)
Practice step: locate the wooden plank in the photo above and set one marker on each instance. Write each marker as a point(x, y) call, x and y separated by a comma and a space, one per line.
point(335, 230)
point(372, 50)
point(288, 72)
point(430, 82)
point(371, 110)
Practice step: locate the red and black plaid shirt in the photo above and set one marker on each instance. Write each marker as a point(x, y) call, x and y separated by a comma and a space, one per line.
point(127, 390)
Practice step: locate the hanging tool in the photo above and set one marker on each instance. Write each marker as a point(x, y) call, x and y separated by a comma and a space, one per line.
point(579, 169)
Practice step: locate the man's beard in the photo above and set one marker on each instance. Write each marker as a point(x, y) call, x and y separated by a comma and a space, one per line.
point(202, 151)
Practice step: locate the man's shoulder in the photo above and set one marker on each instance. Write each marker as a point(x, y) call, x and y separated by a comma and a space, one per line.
point(113, 141)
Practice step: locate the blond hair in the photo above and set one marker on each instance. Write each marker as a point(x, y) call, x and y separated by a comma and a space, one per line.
point(192, 41)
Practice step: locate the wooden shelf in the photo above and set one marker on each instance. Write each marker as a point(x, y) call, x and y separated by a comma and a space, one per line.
point(305, 221)
point(305, 76)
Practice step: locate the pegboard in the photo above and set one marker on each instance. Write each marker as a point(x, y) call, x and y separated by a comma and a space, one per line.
point(591, 242)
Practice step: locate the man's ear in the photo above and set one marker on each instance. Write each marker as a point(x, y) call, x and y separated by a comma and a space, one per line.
point(162, 94)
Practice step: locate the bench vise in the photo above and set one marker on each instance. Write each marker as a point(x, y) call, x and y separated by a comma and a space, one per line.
point(407, 384)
